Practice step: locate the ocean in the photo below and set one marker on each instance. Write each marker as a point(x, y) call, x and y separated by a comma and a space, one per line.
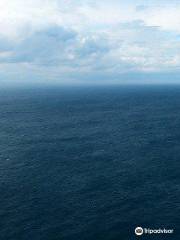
point(89, 163)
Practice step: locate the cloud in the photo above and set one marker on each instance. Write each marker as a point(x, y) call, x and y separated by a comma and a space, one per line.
point(58, 39)
point(45, 47)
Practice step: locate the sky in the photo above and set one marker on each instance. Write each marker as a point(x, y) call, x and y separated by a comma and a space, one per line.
point(89, 41)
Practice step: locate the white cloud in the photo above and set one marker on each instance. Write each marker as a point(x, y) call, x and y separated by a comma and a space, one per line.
point(90, 36)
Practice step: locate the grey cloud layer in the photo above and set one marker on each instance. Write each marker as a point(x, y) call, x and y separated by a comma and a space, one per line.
point(88, 39)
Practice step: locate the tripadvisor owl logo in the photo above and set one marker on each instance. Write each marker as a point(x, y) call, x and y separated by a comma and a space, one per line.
point(139, 231)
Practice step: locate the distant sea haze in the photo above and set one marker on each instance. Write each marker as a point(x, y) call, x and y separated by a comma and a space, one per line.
point(89, 163)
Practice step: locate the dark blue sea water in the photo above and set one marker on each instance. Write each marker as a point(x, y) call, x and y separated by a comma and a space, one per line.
point(89, 163)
